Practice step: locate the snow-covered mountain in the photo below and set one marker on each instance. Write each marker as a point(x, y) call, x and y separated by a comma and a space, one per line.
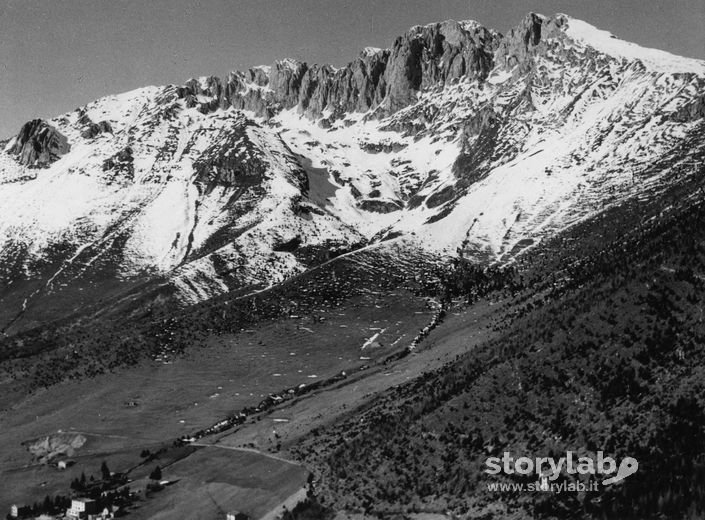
point(455, 140)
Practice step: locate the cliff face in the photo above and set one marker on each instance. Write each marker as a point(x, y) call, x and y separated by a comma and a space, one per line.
point(437, 54)
point(383, 79)
point(516, 47)
point(38, 144)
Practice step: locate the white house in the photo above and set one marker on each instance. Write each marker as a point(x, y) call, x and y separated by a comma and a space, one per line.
point(82, 507)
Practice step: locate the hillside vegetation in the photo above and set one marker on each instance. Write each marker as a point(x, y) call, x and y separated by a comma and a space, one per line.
point(602, 353)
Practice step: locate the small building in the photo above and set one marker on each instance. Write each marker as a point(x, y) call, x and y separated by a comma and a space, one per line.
point(107, 514)
point(61, 464)
point(82, 508)
point(14, 511)
point(236, 516)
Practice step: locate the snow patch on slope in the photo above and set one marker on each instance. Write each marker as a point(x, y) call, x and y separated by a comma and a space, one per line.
point(609, 44)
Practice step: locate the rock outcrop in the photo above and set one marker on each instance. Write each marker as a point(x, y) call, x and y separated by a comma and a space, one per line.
point(93, 130)
point(519, 42)
point(231, 160)
point(691, 111)
point(121, 165)
point(383, 79)
point(436, 54)
point(39, 144)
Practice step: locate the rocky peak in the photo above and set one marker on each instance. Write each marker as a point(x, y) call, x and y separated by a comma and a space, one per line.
point(285, 79)
point(519, 42)
point(436, 54)
point(38, 144)
point(383, 79)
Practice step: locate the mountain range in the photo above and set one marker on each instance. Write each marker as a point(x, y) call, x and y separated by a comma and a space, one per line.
point(466, 243)
point(455, 140)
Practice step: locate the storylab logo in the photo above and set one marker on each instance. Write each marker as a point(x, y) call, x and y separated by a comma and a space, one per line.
point(548, 469)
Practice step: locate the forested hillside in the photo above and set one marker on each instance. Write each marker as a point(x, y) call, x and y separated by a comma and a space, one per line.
point(604, 352)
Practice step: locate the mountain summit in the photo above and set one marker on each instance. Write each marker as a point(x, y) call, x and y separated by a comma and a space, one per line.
point(456, 140)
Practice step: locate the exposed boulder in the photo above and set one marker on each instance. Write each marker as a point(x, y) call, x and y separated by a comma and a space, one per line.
point(93, 130)
point(441, 197)
point(691, 111)
point(386, 147)
point(83, 119)
point(121, 165)
point(39, 144)
point(379, 206)
point(288, 246)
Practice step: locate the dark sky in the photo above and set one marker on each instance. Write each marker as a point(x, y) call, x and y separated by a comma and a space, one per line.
point(56, 55)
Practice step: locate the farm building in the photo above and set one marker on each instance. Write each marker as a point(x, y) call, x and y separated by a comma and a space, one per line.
point(82, 508)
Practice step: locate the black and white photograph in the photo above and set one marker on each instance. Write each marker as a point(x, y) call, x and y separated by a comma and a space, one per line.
point(352, 259)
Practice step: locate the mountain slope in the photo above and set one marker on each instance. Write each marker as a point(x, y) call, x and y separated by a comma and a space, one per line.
point(455, 140)
point(598, 350)
point(464, 244)
point(206, 199)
